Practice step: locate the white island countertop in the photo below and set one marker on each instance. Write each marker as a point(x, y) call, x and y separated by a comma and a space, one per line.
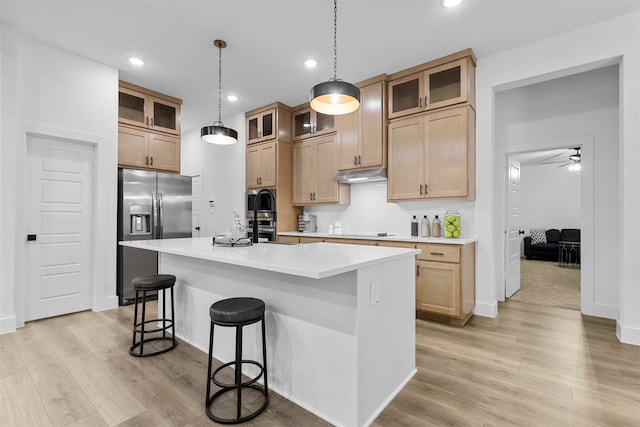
point(315, 260)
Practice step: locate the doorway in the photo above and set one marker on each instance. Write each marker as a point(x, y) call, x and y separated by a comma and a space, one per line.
point(59, 222)
point(543, 215)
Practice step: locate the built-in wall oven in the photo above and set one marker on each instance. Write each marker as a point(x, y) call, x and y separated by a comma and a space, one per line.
point(266, 214)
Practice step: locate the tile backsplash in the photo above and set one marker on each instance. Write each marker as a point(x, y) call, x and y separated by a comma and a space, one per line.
point(369, 212)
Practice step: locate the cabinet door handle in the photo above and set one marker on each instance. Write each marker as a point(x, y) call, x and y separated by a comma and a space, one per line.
point(314, 195)
point(257, 180)
point(151, 121)
point(417, 270)
point(146, 160)
point(147, 119)
point(420, 103)
point(437, 253)
point(355, 160)
point(421, 189)
point(310, 196)
point(425, 189)
point(151, 160)
point(359, 160)
point(426, 102)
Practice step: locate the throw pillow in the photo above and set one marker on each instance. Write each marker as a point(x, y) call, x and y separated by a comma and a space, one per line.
point(538, 236)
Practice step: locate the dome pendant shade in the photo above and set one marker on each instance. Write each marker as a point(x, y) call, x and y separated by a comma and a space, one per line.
point(219, 135)
point(335, 97)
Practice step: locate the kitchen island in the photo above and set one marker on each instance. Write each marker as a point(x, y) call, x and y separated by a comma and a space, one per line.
point(339, 318)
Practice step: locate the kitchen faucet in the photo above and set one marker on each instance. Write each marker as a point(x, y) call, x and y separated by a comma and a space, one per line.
point(255, 212)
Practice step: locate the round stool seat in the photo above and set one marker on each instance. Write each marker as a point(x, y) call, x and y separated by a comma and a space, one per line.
point(237, 310)
point(153, 282)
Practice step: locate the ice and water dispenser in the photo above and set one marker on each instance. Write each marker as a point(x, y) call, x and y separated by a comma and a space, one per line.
point(140, 220)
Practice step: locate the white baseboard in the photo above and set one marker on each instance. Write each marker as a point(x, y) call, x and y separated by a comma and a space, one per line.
point(107, 303)
point(627, 334)
point(600, 310)
point(7, 325)
point(486, 309)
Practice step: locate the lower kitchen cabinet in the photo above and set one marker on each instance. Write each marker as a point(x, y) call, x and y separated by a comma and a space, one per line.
point(445, 282)
point(445, 276)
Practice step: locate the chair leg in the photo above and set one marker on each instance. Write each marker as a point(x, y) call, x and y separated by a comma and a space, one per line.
point(135, 321)
point(264, 358)
point(173, 320)
point(144, 318)
point(206, 403)
point(164, 313)
point(239, 369)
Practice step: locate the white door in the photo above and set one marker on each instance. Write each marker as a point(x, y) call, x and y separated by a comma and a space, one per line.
point(59, 217)
point(196, 195)
point(512, 284)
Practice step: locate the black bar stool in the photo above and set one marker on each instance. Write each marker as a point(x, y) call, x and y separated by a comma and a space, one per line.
point(237, 312)
point(144, 284)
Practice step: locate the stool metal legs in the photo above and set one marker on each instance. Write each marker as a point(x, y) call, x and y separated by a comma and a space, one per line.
point(137, 347)
point(238, 385)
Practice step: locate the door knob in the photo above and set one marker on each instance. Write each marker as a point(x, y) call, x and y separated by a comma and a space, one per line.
point(31, 237)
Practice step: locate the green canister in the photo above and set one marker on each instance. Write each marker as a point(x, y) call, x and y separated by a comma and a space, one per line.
point(452, 227)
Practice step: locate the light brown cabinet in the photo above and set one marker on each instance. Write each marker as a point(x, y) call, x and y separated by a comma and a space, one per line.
point(148, 109)
point(148, 129)
point(267, 123)
point(433, 85)
point(445, 276)
point(432, 156)
point(307, 123)
point(362, 136)
point(148, 150)
point(261, 165)
point(445, 282)
point(314, 165)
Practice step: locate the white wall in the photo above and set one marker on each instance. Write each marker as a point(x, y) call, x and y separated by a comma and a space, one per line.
point(369, 212)
point(616, 40)
point(549, 198)
point(223, 175)
point(56, 93)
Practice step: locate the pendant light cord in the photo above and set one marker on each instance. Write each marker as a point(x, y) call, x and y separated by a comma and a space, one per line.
point(219, 85)
point(335, 40)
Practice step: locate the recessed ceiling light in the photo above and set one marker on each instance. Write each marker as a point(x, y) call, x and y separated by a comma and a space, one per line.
point(310, 63)
point(232, 98)
point(451, 3)
point(136, 61)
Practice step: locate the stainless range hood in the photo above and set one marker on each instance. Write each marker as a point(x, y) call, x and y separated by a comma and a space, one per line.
point(361, 175)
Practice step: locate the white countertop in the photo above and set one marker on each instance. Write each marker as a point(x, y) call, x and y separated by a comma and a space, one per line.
point(315, 260)
point(358, 236)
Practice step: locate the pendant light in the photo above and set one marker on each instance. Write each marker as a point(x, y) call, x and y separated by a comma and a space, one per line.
point(218, 133)
point(335, 97)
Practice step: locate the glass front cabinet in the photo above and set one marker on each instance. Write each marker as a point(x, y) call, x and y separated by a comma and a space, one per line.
point(435, 87)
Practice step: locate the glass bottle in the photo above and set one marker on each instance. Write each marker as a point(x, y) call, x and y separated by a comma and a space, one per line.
point(237, 229)
point(425, 227)
point(414, 227)
point(436, 227)
point(452, 220)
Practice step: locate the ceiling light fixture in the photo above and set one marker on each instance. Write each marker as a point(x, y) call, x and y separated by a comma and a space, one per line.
point(232, 98)
point(218, 133)
point(310, 63)
point(335, 97)
point(451, 3)
point(136, 61)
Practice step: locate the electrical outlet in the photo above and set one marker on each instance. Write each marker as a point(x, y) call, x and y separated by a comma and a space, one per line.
point(375, 293)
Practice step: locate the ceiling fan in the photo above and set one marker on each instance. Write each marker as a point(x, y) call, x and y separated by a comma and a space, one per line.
point(574, 159)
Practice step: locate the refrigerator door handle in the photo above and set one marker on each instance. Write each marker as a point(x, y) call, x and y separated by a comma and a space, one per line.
point(160, 216)
point(154, 213)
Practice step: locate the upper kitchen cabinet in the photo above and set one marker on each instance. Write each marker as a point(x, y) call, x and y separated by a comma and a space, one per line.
point(436, 84)
point(362, 135)
point(432, 156)
point(308, 122)
point(314, 165)
point(267, 123)
point(148, 129)
point(262, 163)
point(148, 109)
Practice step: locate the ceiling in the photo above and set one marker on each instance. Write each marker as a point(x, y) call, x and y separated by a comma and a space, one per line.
point(558, 157)
point(268, 40)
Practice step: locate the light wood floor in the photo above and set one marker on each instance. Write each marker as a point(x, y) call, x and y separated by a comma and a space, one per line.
point(532, 365)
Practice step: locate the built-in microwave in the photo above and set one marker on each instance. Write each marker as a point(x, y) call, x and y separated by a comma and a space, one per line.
point(265, 202)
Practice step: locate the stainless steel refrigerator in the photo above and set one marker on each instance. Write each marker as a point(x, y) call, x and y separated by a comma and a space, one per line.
point(151, 205)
